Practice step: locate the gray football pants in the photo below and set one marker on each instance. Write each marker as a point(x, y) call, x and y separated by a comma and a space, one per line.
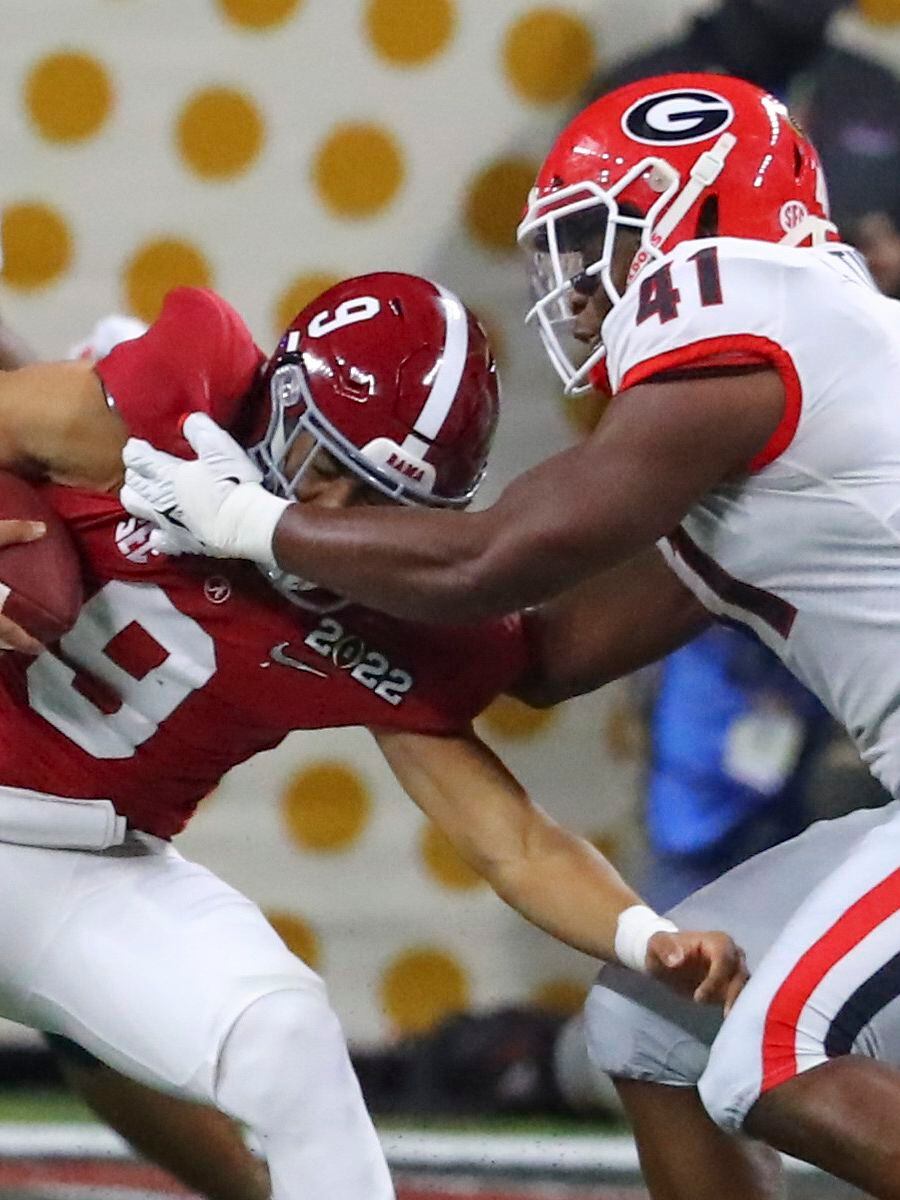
point(819, 919)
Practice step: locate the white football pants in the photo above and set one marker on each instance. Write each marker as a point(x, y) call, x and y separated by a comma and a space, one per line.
point(165, 973)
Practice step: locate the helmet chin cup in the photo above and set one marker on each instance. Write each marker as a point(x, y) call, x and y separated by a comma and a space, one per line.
point(301, 592)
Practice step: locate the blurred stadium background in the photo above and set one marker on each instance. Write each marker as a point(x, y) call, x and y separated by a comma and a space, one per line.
point(267, 148)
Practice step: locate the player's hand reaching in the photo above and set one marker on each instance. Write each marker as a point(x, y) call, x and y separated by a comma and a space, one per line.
point(214, 504)
point(13, 636)
point(707, 966)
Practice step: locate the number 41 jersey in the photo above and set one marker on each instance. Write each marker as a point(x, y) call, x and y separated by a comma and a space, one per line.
point(805, 546)
point(179, 668)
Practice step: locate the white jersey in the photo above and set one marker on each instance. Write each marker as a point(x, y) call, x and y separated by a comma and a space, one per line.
point(806, 548)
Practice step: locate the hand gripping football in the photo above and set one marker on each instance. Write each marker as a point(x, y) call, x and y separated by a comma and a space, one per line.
point(40, 581)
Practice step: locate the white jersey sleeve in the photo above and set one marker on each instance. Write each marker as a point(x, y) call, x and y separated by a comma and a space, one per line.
point(713, 303)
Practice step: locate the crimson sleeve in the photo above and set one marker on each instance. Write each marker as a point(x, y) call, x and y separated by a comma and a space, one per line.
point(479, 664)
point(198, 356)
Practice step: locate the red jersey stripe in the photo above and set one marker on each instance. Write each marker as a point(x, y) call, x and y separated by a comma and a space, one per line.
point(729, 350)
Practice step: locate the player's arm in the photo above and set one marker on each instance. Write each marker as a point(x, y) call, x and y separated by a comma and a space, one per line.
point(613, 623)
point(555, 879)
point(69, 421)
point(659, 448)
point(55, 423)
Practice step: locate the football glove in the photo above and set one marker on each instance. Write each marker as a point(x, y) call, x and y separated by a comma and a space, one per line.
point(213, 504)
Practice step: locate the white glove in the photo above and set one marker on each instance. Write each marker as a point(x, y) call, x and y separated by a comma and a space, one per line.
point(213, 505)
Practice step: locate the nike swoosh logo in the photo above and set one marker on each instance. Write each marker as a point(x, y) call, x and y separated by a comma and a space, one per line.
point(169, 514)
point(278, 655)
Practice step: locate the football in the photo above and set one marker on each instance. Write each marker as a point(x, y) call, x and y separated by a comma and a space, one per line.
point(44, 576)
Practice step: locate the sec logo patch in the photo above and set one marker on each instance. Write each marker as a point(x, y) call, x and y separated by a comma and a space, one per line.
point(792, 215)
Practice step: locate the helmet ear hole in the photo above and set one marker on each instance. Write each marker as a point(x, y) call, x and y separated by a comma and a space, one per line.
point(708, 218)
point(798, 160)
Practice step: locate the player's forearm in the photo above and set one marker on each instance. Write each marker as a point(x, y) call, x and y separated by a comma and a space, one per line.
point(556, 880)
point(415, 563)
point(567, 888)
point(54, 422)
point(448, 566)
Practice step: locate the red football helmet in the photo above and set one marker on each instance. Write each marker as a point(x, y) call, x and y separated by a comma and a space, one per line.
point(674, 158)
point(395, 378)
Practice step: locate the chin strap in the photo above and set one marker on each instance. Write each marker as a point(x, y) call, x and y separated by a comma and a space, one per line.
point(705, 171)
point(816, 229)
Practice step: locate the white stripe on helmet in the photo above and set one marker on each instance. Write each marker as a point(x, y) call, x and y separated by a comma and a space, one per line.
point(447, 375)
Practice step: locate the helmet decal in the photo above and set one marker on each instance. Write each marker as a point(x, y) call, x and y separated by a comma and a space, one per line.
point(677, 117)
point(447, 375)
point(791, 214)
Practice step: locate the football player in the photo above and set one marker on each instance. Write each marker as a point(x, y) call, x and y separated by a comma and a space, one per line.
point(177, 669)
point(161, 1127)
point(747, 467)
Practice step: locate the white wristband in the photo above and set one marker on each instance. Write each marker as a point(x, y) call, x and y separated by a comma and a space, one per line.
point(245, 524)
point(635, 927)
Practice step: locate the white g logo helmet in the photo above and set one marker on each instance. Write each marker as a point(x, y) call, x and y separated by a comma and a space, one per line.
point(677, 117)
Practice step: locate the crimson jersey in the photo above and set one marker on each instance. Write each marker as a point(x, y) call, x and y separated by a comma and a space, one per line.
point(179, 668)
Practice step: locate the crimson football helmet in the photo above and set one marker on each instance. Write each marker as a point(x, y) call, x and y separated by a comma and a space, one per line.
point(395, 378)
point(673, 158)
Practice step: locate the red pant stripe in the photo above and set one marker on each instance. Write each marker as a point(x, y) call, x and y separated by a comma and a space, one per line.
point(780, 1031)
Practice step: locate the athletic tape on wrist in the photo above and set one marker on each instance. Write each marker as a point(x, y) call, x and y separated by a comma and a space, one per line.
point(248, 518)
point(634, 929)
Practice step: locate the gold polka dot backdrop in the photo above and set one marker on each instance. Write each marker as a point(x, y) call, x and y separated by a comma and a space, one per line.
point(268, 148)
point(410, 32)
point(882, 12)
point(548, 55)
point(358, 170)
point(258, 14)
point(444, 864)
point(563, 996)
point(326, 807)
point(156, 268)
point(220, 132)
point(508, 717)
point(422, 986)
point(495, 200)
point(37, 245)
point(295, 297)
point(299, 937)
point(68, 96)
